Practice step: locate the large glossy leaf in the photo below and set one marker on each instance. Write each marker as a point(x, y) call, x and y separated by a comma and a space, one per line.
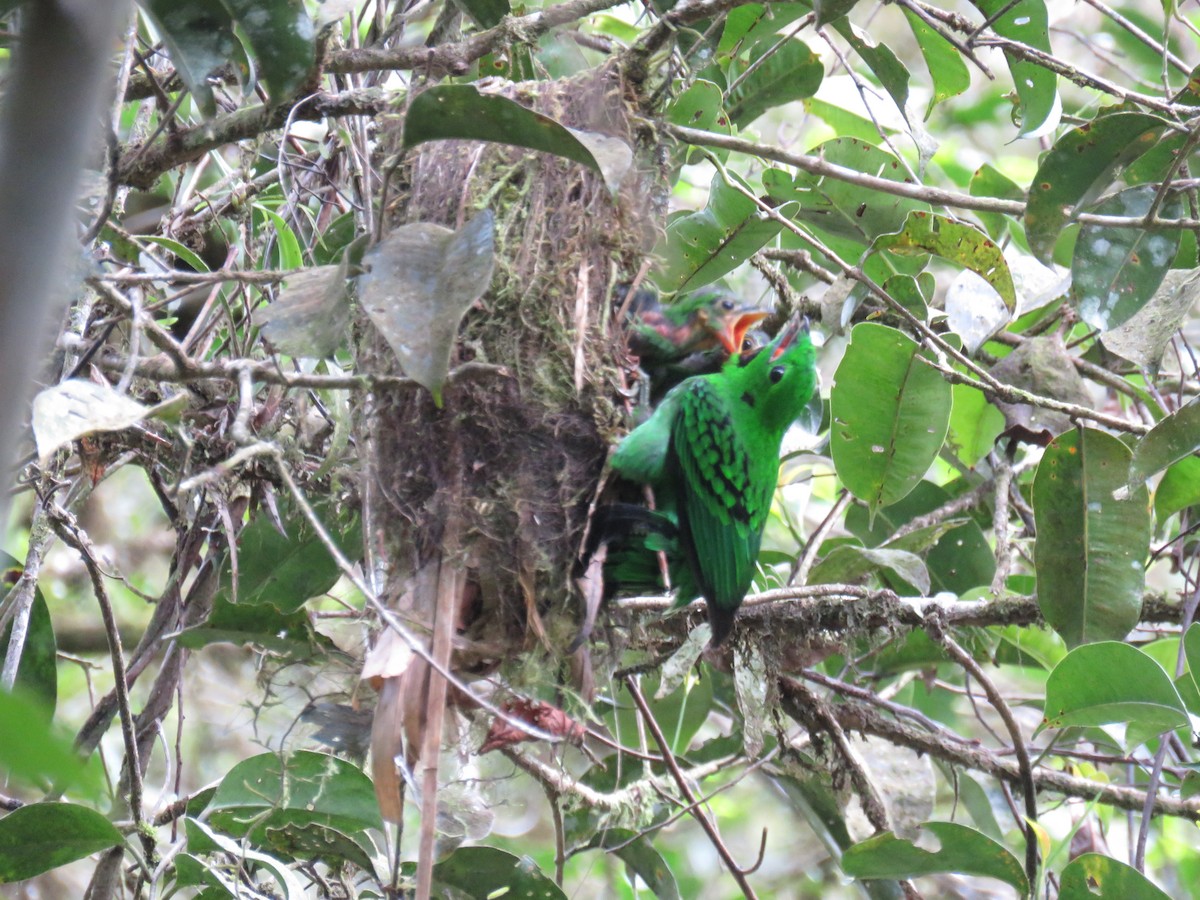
point(43, 836)
point(1107, 682)
point(1037, 87)
point(420, 281)
point(963, 245)
point(1094, 876)
point(1090, 547)
point(703, 246)
point(199, 36)
point(961, 849)
point(460, 111)
point(282, 38)
point(1115, 271)
point(1173, 438)
point(1079, 165)
point(890, 412)
point(843, 209)
point(783, 72)
point(947, 70)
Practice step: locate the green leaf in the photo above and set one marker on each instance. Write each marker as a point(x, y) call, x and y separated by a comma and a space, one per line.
point(752, 23)
point(831, 10)
point(290, 254)
point(961, 244)
point(1107, 682)
point(783, 72)
point(1079, 165)
point(460, 111)
point(974, 424)
point(483, 873)
point(183, 252)
point(1090, 547)
point(947, 70)
point(682, 712)
point(890, 412)
point(843, 122)
point(43, 836)
point(199, 37)
point(1178, 489)
point(201, 838)
point(42, 756)
point(420, 282)
point(699, 107)
point(1173, 438)
point(1116, 271)
point(285, 570)
point(847, 564)
point(988, 181)
point(1037, 87)
point(1191, 652)
point(282, 39)
point(960, 560)
point(848, 210)
point(638, 853)
point(703, 246)
point(298, 791)
point(37, 673)
point(961, 850)
point(1093, 876)
point(310, 315)
point(882, 61)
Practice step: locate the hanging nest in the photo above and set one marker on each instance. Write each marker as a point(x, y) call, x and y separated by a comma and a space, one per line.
point(514, 456)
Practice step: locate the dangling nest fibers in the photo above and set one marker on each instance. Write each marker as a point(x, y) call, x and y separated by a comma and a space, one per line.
point(519, 446)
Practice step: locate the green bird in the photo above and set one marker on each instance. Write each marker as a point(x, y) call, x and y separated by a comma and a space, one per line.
point(710, 452)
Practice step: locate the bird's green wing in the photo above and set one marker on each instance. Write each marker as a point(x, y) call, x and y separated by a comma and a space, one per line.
point(720, 507)
point(642, 455)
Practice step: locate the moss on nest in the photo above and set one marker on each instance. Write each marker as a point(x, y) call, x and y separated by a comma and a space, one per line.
point(516, 451)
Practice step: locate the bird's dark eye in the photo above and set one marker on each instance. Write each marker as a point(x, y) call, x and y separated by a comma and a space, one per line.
point(777, 374)
point(727, 304)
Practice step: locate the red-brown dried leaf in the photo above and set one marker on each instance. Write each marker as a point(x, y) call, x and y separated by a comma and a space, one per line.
point(541, 715)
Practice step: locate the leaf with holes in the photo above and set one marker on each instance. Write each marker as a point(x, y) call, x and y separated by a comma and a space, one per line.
point(1026, 22)
point(782, 72)
point(890, 413)
point(1090, 547)
point(963, 245)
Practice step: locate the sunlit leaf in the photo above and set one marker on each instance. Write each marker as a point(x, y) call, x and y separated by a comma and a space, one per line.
point(42, 756)
point(37, 673)
point(790, 72)
point(420, 282)
point(1026, 21)
point(75, 407)
point(1178, 489)
point(955, 242)
point(974, 424)
point(1107, 682)
point(1115, 271)
point(1090, 547)
point(947, 70)
point(988, 181)
point(1094, 876)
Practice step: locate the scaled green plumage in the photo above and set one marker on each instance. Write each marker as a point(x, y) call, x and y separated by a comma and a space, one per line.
point(710, 451)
